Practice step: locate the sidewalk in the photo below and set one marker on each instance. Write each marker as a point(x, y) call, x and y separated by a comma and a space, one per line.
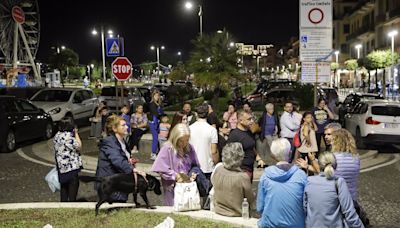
point(201, 214)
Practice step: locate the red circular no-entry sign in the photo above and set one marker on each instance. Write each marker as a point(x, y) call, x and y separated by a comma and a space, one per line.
point(121, 68)
point(315, 15)
point(18, 14)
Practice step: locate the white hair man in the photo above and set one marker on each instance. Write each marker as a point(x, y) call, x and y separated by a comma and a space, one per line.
point(280, 191)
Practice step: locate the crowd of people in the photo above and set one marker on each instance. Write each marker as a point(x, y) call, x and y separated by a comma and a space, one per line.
point(306, 186)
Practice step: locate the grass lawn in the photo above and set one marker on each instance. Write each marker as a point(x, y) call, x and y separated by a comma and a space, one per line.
point(86, 218)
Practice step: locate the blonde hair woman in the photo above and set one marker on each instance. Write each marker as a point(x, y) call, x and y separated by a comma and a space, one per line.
point(176, 156)
point(154, 120)
point(327, 199)
point(348, 160)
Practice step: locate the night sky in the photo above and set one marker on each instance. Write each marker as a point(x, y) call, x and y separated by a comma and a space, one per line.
point(164, 22)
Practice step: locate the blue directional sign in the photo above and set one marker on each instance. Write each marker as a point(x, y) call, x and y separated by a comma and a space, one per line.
point(113, 47)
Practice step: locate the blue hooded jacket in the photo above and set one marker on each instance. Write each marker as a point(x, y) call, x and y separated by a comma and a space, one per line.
point(280, 197)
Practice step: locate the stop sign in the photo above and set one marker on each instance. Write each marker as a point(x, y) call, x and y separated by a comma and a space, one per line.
point(121, 68)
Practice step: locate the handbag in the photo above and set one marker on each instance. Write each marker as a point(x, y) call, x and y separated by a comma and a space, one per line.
point(296, 139)
point(52, 180)
point(186, 197)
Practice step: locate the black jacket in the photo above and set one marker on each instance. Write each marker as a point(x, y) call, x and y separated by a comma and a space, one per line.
point(153, 111)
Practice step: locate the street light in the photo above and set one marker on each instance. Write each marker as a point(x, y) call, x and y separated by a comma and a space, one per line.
point(158, 57)
point(179, 53)
point(110, 32)
point(189, 6)
point(392, 34)
point(337, 56)
point(358, 47)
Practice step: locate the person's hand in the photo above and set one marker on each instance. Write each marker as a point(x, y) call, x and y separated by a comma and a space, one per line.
point(311, 156)
point(302, 163)
point(133, 161)
point(193, 177)
point(260, 163)
point(326, 107)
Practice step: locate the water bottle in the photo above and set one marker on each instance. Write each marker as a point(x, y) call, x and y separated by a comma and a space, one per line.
point(245, 209)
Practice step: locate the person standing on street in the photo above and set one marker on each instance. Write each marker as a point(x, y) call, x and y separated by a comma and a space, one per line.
point(204, 140)
point(191, 116)
point(322, 116)
point(86, 82)
point(243, 135)
point(67, 144)
point(269, 123)
point(289, 126)
point(154, 121)
point(329, 129)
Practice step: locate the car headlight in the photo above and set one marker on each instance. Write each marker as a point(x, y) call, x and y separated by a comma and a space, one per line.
point(55, 111)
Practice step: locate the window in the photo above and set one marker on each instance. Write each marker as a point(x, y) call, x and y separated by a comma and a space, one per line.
point(53, 96)
point(25, 106)
point(78, 97)
point(8, 106)
point(386, 110)
point(87, 95)
point(346, 28)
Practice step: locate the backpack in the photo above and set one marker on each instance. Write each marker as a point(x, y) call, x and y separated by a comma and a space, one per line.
point(297, 140)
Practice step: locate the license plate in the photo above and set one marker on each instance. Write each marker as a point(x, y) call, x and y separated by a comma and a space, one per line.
point(391, 125)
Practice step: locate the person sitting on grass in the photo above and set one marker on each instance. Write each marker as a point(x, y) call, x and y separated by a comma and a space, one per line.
point(228, 175)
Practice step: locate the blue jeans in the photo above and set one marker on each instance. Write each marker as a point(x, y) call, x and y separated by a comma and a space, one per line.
point(154, 132)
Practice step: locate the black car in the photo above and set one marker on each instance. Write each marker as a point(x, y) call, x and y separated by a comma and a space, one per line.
point(20, 120)
point(350, 102)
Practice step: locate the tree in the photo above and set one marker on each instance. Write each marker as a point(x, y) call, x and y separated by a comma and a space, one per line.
point(178, 73)
point(213, 61)
point(380, 59)
point(65, 59)
point(351, 65)
point(77, 71)
point(147, 67)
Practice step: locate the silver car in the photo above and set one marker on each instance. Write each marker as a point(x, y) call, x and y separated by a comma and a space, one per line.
point(74, 103)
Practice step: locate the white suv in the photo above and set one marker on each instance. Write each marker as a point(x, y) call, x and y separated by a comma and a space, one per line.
point(75, 103)
point(375, 122)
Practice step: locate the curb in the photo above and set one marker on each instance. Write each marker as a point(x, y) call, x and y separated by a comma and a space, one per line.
point(201, 214)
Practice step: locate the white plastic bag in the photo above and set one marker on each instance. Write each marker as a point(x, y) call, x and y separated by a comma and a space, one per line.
point(52, 180)
point(167, 223)
point(186, 197)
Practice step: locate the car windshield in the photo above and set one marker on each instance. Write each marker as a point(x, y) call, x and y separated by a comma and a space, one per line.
point(110, 92)
point(386, 110)
point(53, 96)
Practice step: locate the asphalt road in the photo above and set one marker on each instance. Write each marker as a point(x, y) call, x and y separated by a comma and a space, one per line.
point(23, 181)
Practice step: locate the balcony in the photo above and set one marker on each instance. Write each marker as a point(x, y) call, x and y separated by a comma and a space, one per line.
point(364, 6)
point(362, 32)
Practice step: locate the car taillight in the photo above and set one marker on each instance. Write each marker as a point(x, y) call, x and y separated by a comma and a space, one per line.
point(371, 121)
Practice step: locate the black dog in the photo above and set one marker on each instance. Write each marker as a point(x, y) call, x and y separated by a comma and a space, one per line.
point(124, 183)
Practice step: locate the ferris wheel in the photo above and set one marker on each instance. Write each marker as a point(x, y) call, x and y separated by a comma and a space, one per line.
point(19, 33)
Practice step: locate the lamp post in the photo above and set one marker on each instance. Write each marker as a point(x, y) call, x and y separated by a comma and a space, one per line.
point(158, 57)
point(392, 34)
point(336, 75)
point(189, 6)
point(110, 33)
point(358, 47)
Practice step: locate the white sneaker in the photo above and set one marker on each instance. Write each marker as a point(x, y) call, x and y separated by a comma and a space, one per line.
point(153, 157)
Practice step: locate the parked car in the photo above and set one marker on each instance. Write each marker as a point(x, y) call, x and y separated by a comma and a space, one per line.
point(350, 102)
point(24, 93)
point(374, 122)
point(276, 96)
point(132, 97)
point(74, 103)
point(20, 120)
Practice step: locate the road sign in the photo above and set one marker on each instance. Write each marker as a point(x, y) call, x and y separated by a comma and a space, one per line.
point(309, 73)
point(113, 47)
point(315, 13)
point(315, 43)
point(18, 14)
point(315, 29)
point(121, 68)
